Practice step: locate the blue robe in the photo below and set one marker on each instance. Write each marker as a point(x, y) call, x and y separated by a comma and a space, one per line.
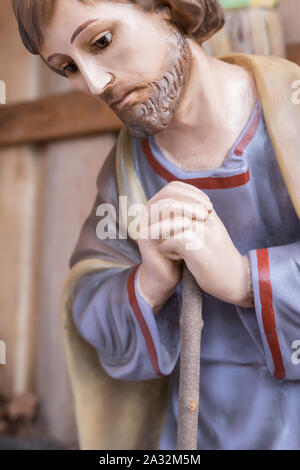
point(249, 360)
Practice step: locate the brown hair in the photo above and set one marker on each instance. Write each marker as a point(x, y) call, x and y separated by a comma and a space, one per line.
point(200, 18)
point(32, 15)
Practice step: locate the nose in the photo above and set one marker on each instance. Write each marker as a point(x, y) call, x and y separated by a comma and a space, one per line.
point(96, 79)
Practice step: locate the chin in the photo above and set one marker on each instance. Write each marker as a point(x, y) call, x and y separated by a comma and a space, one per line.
point(145, 124)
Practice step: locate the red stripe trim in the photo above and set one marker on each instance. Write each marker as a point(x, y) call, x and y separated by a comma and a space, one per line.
point(200, 183)
point(249, 134)
point(143, 325)
point(267, 311)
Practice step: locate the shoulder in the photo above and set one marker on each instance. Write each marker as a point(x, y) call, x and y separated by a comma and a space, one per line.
point(267, 70)
point(277, 81)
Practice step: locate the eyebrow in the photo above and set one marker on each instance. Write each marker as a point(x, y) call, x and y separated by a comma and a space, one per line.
point(76, 33)
point(81, 28)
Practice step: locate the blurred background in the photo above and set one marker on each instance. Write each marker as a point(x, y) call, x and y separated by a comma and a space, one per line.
point(52, 145)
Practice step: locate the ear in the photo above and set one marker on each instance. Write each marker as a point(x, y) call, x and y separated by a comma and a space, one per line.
point(200, 18)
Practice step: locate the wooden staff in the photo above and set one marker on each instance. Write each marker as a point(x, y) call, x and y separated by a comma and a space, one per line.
point(191, 324)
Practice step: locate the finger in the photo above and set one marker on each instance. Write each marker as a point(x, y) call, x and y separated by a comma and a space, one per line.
point(190, 239)
point(164, 228)
point(176, 229)
point(181, 186)
point(184, 193)
point(166, 211)
point(169, 209)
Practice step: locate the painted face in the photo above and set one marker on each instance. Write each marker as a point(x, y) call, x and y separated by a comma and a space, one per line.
point(137, 62)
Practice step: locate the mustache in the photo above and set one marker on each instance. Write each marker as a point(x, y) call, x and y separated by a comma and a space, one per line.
point(116, 93)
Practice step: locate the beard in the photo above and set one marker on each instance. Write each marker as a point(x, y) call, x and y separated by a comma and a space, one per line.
point(155, 113)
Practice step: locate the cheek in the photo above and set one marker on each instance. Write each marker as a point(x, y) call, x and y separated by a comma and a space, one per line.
point(139, 55)
point(78, 83)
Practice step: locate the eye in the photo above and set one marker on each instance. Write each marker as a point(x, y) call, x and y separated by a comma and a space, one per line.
point(103, 42)
point(71, 67)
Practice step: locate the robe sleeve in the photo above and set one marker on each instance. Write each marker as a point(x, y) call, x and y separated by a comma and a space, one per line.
point(109, 312)
point(276, 328)
point(131, 342)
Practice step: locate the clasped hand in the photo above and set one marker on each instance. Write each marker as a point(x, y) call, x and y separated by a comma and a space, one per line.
point(180, 224)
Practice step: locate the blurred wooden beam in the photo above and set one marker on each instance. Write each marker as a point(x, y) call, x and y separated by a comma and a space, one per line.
point(293, 52)
point(56, 117)
point(65, 116)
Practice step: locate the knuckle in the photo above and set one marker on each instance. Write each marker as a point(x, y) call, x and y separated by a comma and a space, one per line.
point(210, 206)
point(179, 184)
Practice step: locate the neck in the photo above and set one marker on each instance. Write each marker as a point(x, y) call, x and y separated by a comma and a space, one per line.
point(216, 105)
